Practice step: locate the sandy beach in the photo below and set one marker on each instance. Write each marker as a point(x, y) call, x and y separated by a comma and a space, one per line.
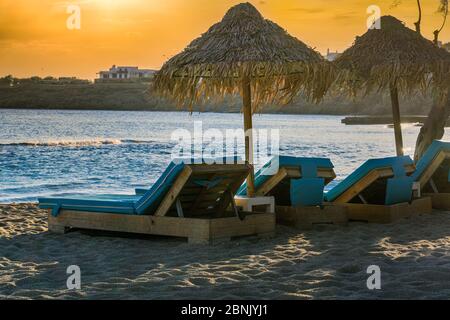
point(328, 262)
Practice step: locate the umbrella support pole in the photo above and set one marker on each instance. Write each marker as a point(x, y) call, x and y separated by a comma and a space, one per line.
point(397, 120)
point(248, 127)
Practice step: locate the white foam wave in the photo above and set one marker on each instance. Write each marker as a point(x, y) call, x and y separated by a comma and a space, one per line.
point(73, 143)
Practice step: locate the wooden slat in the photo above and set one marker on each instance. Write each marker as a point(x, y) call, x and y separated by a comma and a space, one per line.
point(202, 192)
point(358, 187)
point(306, 217)
point(192, 185)
point(387, 214)
point(170, 226)
point(441, 201)
point(174, 191)
point(223, 176)
point(388, 172)
point(191, 198)
point(260, 223)
point(229, 195)
point(197, 198)
point(272, 182)
point(210, 197)
point(197, 230)
point(327, 173)
point(294, 173)
point(431, 169)
point(221, 169)
point(190, 191)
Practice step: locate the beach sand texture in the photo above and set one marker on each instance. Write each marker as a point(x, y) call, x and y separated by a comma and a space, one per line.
point(324, 263)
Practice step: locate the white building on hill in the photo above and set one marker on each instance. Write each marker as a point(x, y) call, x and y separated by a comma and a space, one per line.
point(117, 72)
point(331, 56)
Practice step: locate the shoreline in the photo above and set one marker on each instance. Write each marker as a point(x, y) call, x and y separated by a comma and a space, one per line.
point(182, 111)
point(328, 262)
point(348, 118)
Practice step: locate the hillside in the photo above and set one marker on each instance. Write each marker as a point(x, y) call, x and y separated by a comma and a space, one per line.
point(136, 96)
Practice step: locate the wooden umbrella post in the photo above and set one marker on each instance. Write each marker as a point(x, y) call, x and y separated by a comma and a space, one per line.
point(248, 126)
point(397, 120)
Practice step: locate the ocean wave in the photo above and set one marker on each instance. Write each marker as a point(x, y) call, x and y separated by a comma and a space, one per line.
point(75, 143)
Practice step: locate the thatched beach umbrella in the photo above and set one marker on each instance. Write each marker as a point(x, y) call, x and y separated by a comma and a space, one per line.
point(247, 55)
point(395, 58)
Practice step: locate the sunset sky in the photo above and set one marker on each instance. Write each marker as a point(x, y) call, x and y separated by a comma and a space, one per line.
point(34, 39)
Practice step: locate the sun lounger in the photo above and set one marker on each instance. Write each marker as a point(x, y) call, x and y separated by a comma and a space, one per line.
point(298, 187)
point(433, 174)
point(189, 200)
point(380, 191)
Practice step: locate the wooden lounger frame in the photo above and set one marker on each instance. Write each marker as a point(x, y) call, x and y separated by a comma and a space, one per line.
point(429, 183)
point(188, 210)
point(376, 213)
point(361, 185)
point(304, 217)
point(292, 173)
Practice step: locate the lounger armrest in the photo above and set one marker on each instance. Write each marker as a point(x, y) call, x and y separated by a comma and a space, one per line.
point(399, 190)
point(307, 192)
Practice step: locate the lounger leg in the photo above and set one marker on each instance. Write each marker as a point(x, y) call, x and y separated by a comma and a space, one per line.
point(433, 186)
point(57, 228)
point(179, 208)
point(362, 198)
point(54, 225)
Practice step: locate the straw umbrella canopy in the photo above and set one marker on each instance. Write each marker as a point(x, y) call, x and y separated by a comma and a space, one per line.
point(395, 58)
point(248, 55)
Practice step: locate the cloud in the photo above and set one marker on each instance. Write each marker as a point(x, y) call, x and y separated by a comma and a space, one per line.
point(308, 10)
point(345, 16)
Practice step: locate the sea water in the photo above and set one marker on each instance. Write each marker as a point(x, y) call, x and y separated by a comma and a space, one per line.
point(56, 153)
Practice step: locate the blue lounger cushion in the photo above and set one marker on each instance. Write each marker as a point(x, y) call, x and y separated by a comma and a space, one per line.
point(150, 200)
point(399, 190)
point(396, 163)
point(306, 193)
point(144, 203)
point(101, 203)
point(140, 191)
point(428, 157)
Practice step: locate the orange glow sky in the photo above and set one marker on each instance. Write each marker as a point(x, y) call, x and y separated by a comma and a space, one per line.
point(34, 39)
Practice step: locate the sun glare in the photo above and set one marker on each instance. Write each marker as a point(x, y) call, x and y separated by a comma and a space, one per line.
point(112, 3)
point(115, 4)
